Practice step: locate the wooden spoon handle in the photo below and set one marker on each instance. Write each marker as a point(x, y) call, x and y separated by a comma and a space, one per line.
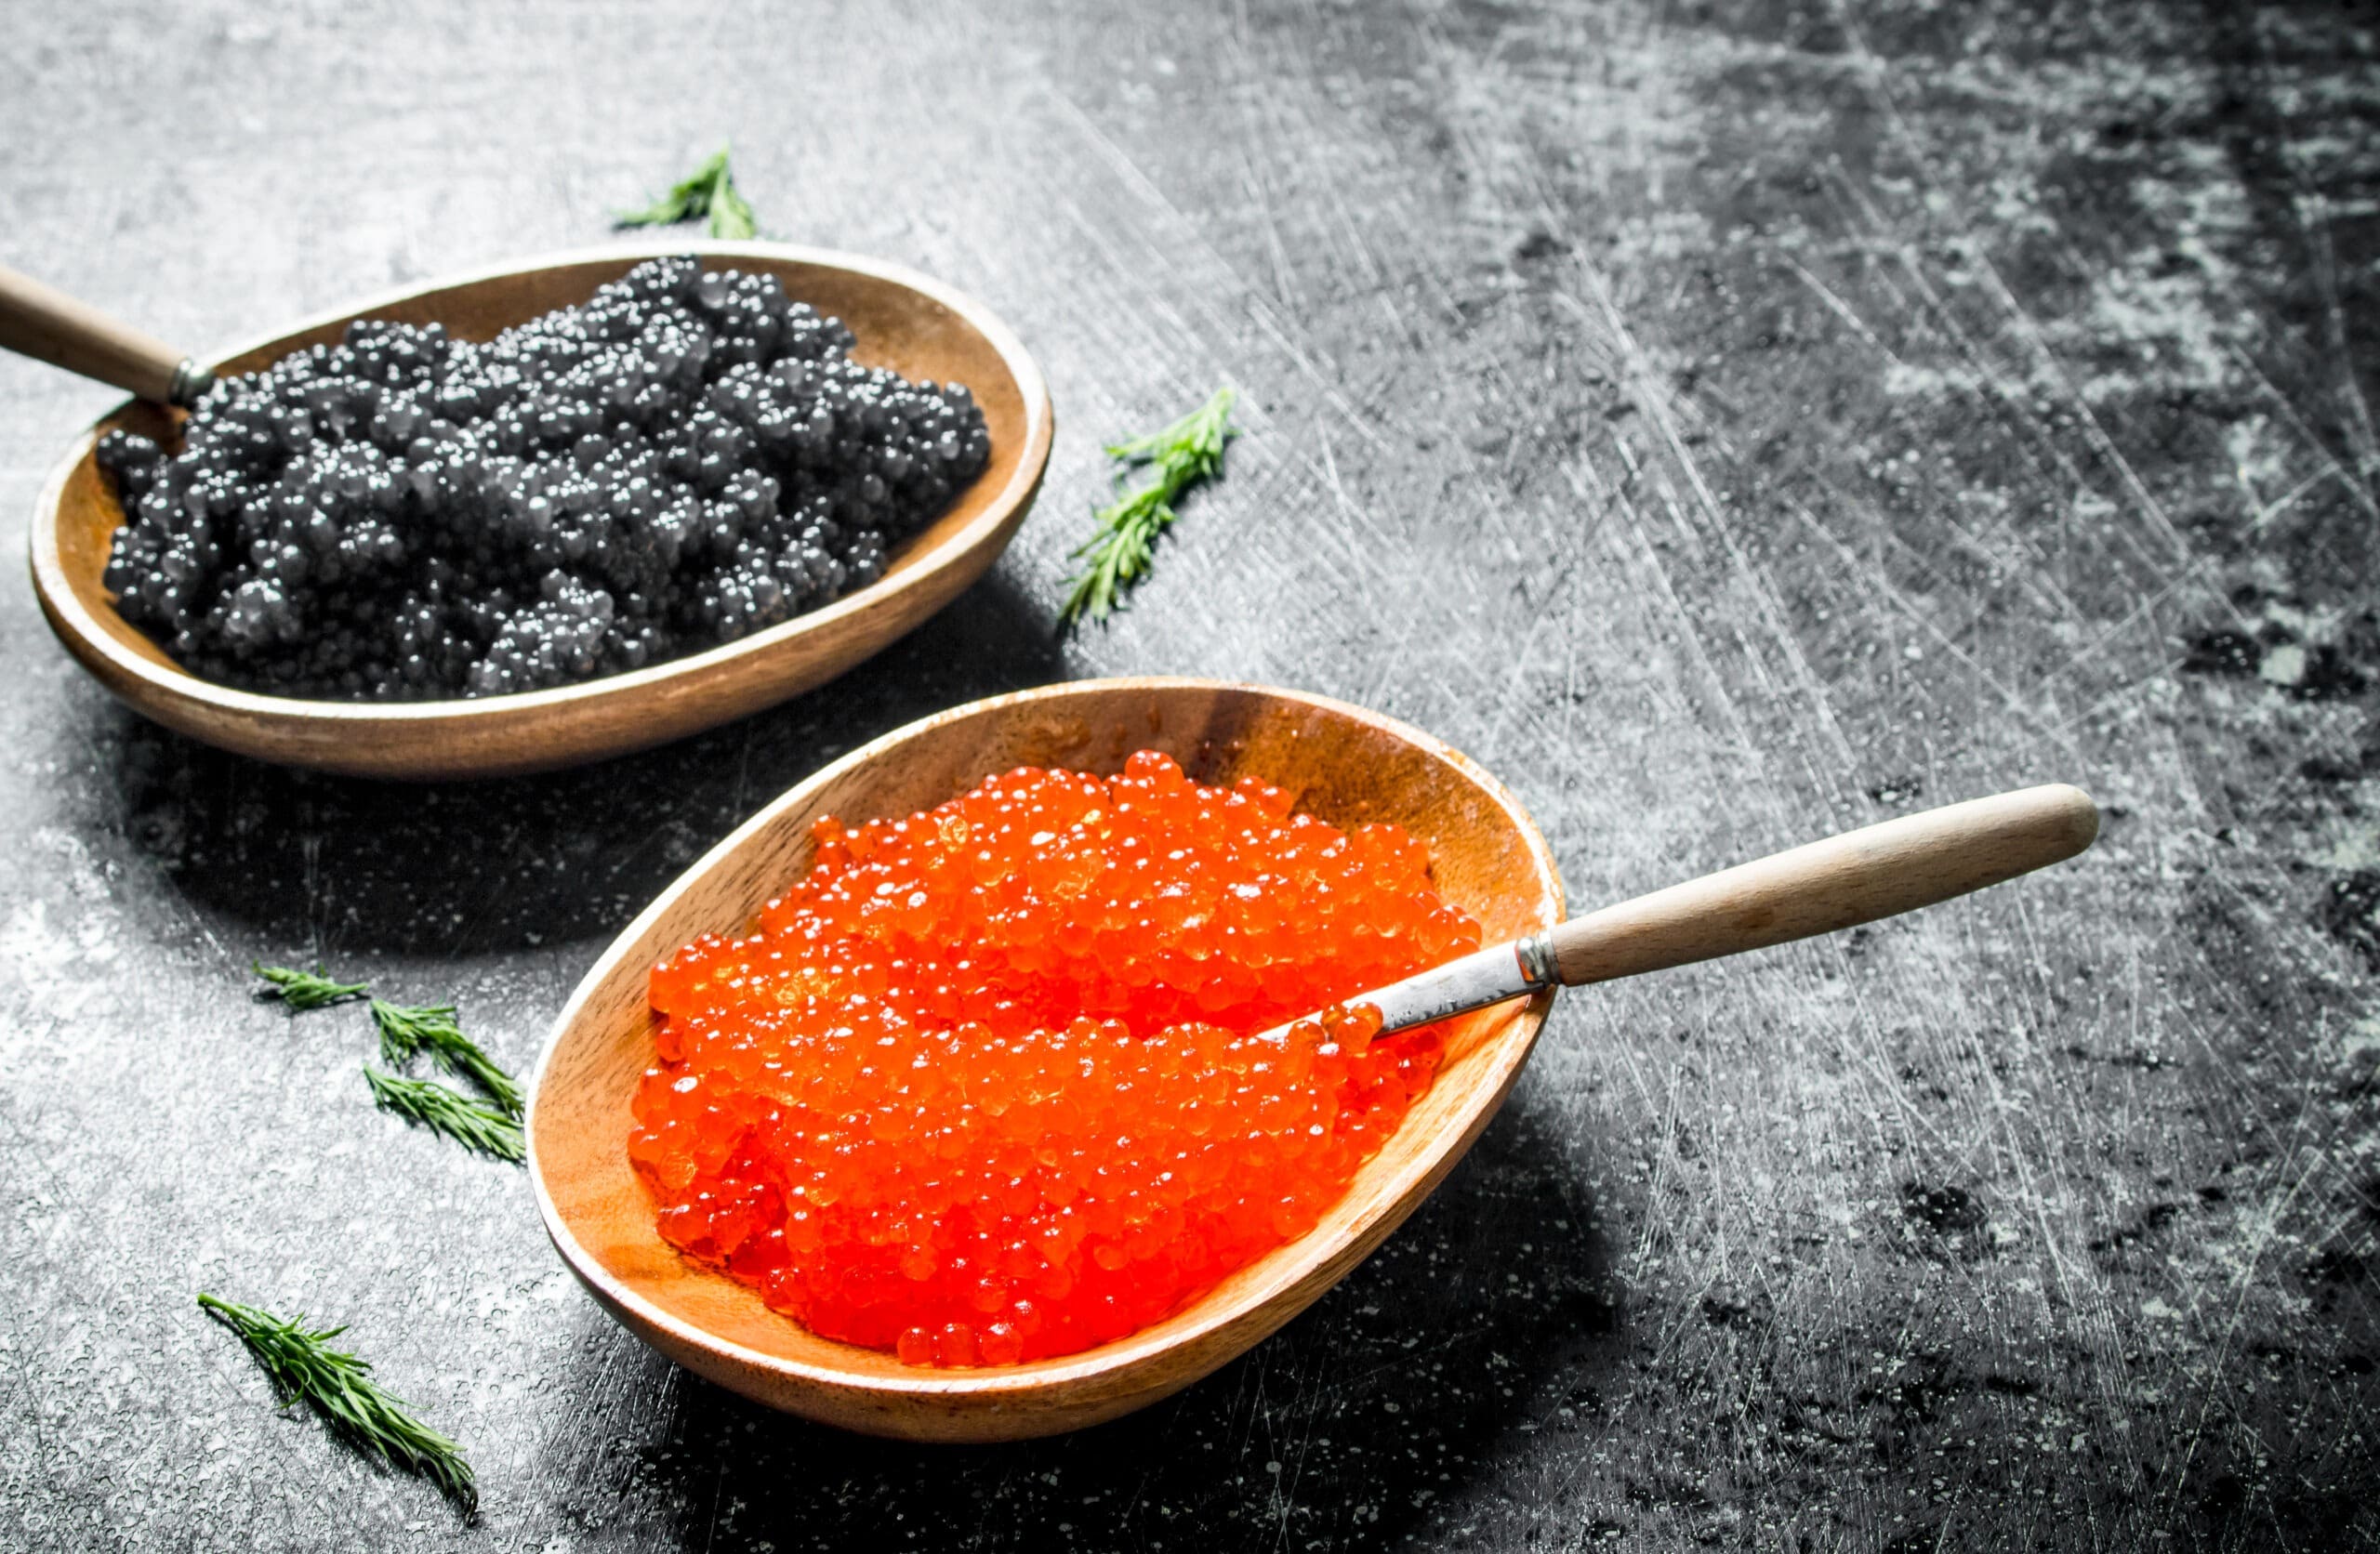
point(47, 325)
point(1856, 877)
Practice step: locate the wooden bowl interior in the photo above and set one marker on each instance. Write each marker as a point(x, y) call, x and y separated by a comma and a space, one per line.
point(1345, 767)
point(895, 326)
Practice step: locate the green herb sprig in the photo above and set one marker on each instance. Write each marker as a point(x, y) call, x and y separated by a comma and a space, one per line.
point(304, 1368)
point(710, 192)
point(434, 1106)
point(405, 1030)
point(1120, 554)
point(305, 990)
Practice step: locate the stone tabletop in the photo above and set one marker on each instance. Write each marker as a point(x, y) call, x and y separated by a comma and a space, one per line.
point(1728, 420)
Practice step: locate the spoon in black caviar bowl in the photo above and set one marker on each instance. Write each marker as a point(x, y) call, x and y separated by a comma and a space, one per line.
point(533, 516)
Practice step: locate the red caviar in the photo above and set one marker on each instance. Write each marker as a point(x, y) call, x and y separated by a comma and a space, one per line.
point(989, 1084)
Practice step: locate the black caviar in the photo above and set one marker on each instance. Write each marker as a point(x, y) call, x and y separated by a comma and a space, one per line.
point(687, 457)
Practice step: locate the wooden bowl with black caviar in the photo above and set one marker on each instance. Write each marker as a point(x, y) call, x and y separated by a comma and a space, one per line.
point(902, 321)
point(1340, 763)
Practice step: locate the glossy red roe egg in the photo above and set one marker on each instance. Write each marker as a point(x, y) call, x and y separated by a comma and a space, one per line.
point(987, 1085)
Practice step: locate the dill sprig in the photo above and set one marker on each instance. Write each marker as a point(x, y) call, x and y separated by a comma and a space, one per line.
point(339, 1387)
point(405, 1030)
point(1125, 548)
point(710, 192)
point(305, 990)
point(443, 1111)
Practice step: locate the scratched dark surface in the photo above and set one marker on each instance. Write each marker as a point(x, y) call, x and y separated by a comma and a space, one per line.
point(1730, 422)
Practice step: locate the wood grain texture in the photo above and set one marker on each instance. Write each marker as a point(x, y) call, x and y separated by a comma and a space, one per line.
point(900, 319)
point(39, 321)
point(1824, 887)
point(1727, 421)
point(1342, 765)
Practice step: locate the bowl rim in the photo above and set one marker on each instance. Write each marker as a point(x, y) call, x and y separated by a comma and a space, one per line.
point(58, 596)
point(995, 1384)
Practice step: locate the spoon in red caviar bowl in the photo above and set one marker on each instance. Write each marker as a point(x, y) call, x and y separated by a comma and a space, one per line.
point(900, 319)
point(1343, 766)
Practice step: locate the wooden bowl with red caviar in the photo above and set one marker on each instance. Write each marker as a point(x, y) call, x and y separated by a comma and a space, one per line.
point(1338, 763)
